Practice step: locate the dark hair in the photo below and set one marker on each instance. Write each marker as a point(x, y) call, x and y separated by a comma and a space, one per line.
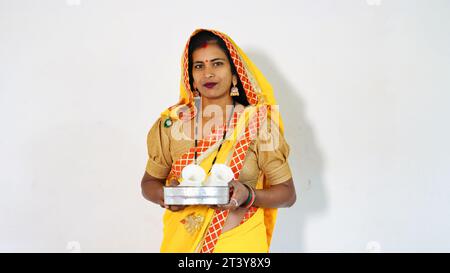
point(198, 41)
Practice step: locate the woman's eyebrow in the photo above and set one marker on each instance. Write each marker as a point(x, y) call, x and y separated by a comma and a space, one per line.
point(215, 59)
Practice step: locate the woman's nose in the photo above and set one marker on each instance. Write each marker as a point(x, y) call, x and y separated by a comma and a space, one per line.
point(208, 71)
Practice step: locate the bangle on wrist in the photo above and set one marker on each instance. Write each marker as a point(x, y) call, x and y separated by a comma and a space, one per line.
point(251, 197)
point(252, 201)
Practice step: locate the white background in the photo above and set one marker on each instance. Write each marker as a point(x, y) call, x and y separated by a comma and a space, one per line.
point(363, 87)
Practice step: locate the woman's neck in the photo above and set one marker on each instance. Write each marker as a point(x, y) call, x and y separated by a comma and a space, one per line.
point(224, 104)
point(221, 102)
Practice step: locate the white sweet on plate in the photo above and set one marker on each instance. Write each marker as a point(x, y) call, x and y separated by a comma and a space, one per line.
point(193, 175)
point(221, 174)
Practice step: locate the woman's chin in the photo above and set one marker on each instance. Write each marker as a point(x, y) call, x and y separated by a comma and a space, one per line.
point(213, 94)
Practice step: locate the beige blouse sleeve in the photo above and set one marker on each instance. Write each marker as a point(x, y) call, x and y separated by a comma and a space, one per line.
point(273, 151)
point(159, 159)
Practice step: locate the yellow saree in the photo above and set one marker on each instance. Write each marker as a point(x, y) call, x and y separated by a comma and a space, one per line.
point(198, 228)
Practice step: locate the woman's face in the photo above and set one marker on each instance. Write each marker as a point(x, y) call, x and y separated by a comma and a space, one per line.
point(211, 71)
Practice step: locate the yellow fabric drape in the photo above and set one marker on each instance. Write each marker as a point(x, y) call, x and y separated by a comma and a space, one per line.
point(176, 237)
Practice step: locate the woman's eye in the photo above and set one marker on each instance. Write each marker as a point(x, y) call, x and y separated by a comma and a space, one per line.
point(200, 66)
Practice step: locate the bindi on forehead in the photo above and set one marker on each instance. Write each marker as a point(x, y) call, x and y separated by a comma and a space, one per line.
point(212, 53)
point(204, 45)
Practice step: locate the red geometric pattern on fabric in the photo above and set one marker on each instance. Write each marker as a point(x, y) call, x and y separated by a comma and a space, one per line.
point(215, 228)
point(252, 97)
point(214, 231)
point(251, 211)
point(202, 146)
point(186, 70)
point(236, 165)
point(242, 146)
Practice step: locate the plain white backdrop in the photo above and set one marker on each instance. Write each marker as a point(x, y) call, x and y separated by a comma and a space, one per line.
point(363, 87)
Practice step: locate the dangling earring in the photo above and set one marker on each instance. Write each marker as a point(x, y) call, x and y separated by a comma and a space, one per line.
point(196, 93)
point(234, 90)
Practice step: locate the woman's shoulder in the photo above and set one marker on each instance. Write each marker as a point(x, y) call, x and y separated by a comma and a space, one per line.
point(270, 136)
point(160, 126)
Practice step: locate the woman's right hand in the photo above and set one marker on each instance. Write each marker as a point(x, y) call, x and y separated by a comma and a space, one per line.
point(174, 208)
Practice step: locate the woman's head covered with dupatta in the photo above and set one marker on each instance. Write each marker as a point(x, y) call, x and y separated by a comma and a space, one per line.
point(254, 89)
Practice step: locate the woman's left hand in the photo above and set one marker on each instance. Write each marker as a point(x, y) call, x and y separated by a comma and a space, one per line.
point(239, 196)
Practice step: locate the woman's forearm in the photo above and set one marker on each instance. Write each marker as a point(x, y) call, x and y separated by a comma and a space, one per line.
point(152, 189)
point(277, 196)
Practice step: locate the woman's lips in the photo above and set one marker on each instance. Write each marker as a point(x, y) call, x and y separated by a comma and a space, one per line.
point(209, 84)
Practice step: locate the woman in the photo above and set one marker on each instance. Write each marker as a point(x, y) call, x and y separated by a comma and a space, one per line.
point(217, 77)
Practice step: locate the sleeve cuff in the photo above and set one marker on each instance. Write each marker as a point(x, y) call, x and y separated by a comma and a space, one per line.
point(157, 170)
point(279, 175)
